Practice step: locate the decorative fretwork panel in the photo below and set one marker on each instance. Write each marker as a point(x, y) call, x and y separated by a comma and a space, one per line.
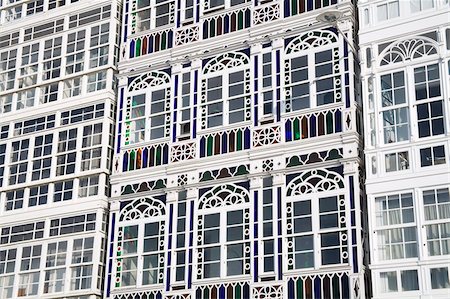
point(311, 39)
point(144, 157)
point(314, 157)
point(183, 151)
point(266, 136)
point(266, 13)
point(143, 208)
point(268, 291)
point(143, 187)
point(140, 295)
point(225, 23)
point(224, 142)
point(235, 290)
point(315, 124)
point(225, 172)
point(409, 49)
point(321, 286)
point(316, 180)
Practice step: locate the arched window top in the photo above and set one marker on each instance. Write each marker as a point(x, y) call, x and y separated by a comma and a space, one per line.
point(148, 80)
point(226, 61)
point(224, 195)
point(316, 180)
point(408, 49)
point(141, 208)
point(311, 39)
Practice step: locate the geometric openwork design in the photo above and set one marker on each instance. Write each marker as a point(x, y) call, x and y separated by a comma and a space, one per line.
point(226, 61)
point(148, 80)
point(224, 195)
point(409, 49)
point(312, 39)
point(141, 208)
point(316, 180)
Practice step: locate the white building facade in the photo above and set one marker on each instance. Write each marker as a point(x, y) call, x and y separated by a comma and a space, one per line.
point(405, 50)
point(237, 163)
point(57, 111)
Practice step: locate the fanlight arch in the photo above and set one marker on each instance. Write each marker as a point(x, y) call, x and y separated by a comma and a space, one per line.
point(311, 39)
point(226, 61)
point(408, 49)
point(224, 195)
point(316, 180)
point(148, 80)
point(147, 207)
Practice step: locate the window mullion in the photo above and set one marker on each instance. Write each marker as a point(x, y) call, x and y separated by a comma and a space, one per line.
point(223, 240)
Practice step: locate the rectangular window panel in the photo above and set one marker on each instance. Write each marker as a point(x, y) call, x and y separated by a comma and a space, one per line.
point(431, 156)
point(430, 117)
point(396, 161)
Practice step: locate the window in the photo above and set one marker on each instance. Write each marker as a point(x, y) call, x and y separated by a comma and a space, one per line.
point(63, 191)
point(46, 29)
point(55, 277)
point(439, 278)
point(96, 81)
point(52, 58)
point(82, 114)
point(2, 162)
point(430, 118)
point(28, 284)
point(437, 211)
point(224, 235)
point(5, 103)
point(431, 156)
point(90, 16)
point(267, 229)
point(129, 262)
point(187, 11)
point(408, 281)
point(75, 52)
point(99, 48)
point(395, 113)
point(6, 286)
point(91, 159)
point(19, 165)
point(38, 196)
point(181, 237)
point(92, 135)
point(88, 186)
point(388, 10)
point(14, 200)
point(8, 40)
point(67, 144)
point(226, 91)
point(151, 14)
point(7, 261)
point(29, 65)
point(7, 69)
point(42, 160)
point(184, 104)
point(419, 5)
point(49, 93)
point(319, 71)
point(31, 258)
point(13, 13)
point(56, 254)
point(72, 87)
point(35, 7)
point(396, 161)
point(82, 250)
point(71, 225)
point(34, 125)
point(23, 232)
point(81, 277)
point(396, 231)
point(54, 281)
point(25, 99)
point(214, 5)
point(427, 81)
point(52, 4)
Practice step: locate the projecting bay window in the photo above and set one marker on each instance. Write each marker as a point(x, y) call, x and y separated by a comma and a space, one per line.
point(75, 52)
point(29, 65)
point(42, 160)
point(316, 234)
point(151, 14)
point(312, 79)
point(396, 235)
point(81, 267)
point(19, 165)
point(99, 48)
point(67, 154)
point(7, 70)
point(225, 97)
point(52, 58)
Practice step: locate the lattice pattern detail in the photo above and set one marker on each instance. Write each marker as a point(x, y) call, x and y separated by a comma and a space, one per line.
point(323, 286)
point(266, 136)
point(143, 187)
point(267, 13)
point(314, 157)
point(187, 35)
point(148, 80)
point(408, 50)
point(151, 43)
point(183, 152)
point(144, 157)
point(225, 142)
point(268, 292)
point(140, 295)
point(178, 296)
point(224, 195)
point(234, 290)
point(226, 61)
point(141, 208)
point(316, 180)
point(312, 39)
point(227, 22)
point(226, 172)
